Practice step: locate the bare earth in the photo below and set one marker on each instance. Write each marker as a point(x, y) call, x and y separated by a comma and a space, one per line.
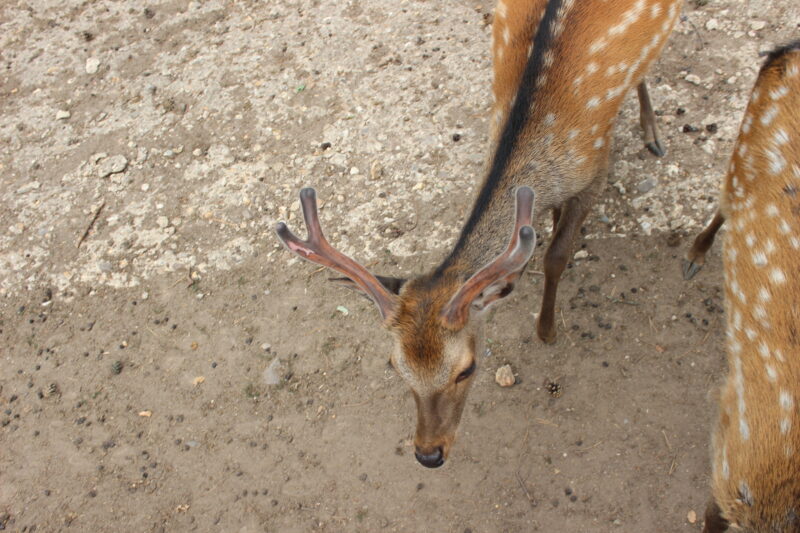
point(136, 365)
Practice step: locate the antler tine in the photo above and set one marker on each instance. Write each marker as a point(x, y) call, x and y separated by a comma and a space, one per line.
point(318, 250)
point(507, 265)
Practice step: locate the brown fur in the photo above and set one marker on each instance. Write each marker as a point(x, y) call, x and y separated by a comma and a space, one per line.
point(756, 445)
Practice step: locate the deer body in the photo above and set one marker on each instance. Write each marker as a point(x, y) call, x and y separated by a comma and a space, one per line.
point(561, 70)
point(756, 446)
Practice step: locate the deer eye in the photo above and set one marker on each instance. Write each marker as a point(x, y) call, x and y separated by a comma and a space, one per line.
point(466, 373)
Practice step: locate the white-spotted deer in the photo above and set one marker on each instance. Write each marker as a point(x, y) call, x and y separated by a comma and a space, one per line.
point(756, 445)
point(561, 70)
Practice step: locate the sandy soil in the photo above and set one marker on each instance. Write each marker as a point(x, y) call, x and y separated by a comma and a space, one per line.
point(137, 357)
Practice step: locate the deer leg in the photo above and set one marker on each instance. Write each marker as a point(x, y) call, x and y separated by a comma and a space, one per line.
point(556, 216)
point(714, 522)
point(696, 257)
point(570, 217)
point(647, 118)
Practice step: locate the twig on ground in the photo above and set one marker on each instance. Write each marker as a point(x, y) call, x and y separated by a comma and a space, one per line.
point(91, 223)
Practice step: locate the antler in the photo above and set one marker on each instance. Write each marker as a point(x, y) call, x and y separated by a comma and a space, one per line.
point(507, 267)
point(317, 249)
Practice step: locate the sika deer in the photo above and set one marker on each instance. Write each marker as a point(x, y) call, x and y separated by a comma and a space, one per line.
point(756, 446)
point(561, 70)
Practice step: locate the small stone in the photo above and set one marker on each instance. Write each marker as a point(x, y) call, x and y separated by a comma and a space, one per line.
point(354, 171)
point(112, 165)
point(162, 221)
point(197, 152)
point(758, 25)
point(647, 185)
point(266, 347)
point(691, 516)
point(92, 64)
point(505, 376)
point(272, 373)
point(62, 114)
point(712, 24)
point(693, 79)
point(581, 254)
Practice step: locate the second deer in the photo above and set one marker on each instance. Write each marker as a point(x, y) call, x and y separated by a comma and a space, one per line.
point(561, 70)
point(756, 445)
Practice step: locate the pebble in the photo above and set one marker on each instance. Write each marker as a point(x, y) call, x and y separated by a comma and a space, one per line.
point(111, 165)
point(758, 25)
point(712, 24)
point(581, 254)
point(647, 185)
point(92, 64)
point(693, 79)
point(62, 114)
point(505, 376)
point(271, 374)
point(691, 516)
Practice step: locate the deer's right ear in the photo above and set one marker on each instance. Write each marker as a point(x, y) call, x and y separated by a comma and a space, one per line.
point(391, 284)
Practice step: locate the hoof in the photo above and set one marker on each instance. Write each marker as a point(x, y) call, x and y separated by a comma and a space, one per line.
point(656, 148)
point(690, 269)
point(548, 337)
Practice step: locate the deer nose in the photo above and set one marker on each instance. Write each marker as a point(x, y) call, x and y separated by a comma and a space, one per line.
point(434, 459)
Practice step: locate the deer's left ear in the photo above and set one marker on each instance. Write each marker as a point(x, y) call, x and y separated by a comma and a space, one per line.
point(496, 291)
point(496, 280)
point(391, 284)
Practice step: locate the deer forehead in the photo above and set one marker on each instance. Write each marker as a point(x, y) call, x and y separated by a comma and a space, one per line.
point(430, 372)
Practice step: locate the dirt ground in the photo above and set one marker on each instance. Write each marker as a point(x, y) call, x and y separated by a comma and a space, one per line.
point(166, 366)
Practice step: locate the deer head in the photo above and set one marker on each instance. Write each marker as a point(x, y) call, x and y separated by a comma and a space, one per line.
point(433, 319)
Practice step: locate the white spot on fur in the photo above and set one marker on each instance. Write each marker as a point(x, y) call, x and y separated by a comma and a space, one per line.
point(786, 401)
point(506, 35)
point(549, 119)
point(742, 149)
point(592, 67)
point(776, 161)
point(781, 137)
point(772, 375)
point(764, 295)
point(744, 429)
point(598, 45)
point(759, 259)
point(777, 276)
point(763, 350)
point(655, 10)
point(628, 18)
point(786, 425)
point(769, 115)
point(599, 142)
point(778, 92)
point(593, 102)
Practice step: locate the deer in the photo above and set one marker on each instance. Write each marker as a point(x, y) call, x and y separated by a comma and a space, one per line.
point(755, 448)
point(561, 69)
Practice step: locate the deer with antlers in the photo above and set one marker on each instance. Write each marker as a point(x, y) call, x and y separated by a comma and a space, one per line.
point(561, 70)
point(756, 445)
